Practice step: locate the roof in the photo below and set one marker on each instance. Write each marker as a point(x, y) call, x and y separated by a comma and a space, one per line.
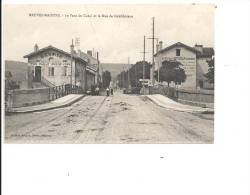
point(85, 55)
point(56, 49)
point(206, 52)
point(92, 67)
point(178, 44)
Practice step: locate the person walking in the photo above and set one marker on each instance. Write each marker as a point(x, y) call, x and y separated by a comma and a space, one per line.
point(97, 90)
point(107, 90)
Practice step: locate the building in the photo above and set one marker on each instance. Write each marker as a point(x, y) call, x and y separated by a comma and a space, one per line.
point(194, 60)
point(92, 68)
point(51, 66)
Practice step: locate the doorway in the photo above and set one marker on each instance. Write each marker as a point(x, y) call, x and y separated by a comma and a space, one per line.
point(37, 77)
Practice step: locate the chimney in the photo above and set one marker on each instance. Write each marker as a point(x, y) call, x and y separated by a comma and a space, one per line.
point(36, 48)
point(89, 52)
point(198, 47)
point(157, 48)
point(79, 53)
point(72, 47)
point(160, 45)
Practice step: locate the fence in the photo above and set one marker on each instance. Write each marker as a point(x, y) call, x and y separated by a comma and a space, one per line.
point(62, 90)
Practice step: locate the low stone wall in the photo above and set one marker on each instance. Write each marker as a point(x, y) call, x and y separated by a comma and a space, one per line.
point(196, 96)
point(182, 95)
point(163, 90)
point(27, 97)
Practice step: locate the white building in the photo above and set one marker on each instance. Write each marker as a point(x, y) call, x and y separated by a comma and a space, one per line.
point(194, 60)
point(51, 66)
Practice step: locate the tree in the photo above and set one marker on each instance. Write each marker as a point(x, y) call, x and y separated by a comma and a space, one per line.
point(106, 76)
point(171, 71)
point(135, 74)
point(210, 74)
point(9, 82)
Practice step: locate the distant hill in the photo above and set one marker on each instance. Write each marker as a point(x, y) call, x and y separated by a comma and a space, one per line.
point(114, 68)
point(17, 69)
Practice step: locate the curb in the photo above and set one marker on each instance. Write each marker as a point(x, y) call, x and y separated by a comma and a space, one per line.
point(199, 104)
point(173, 109)
point(45, 109)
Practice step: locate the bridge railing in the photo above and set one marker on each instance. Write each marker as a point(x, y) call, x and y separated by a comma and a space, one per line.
point(46, 82)
point(62, 90)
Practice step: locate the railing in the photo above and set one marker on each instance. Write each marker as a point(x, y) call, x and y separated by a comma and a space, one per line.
point(46, 82)
point(62, 90)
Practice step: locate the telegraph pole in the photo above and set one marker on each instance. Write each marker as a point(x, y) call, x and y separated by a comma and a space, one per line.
point(71, 61)
point(123, 78)
point(144, 61)
point(128, 74)
point(157, 50)
point(143, 68)
point(135, 75)
point(98, 68)
point(153, 50)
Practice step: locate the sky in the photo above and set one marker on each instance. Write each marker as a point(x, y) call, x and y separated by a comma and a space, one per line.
point(116, 39)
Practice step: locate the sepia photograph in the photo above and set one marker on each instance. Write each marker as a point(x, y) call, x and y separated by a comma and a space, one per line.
point(109, 74)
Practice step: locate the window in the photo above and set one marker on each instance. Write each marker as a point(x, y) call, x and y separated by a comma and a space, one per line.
point(178, 52)
point(51, 71)
point(65, 71)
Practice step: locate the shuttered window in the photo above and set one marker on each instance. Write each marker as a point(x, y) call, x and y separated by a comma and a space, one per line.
point(64, 70)
point(51, 71)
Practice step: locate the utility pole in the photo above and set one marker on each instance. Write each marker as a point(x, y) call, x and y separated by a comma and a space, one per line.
point(153, 48)
point(144, 61)
point(98, 68)
point(157, 50)
point(129, 83)
point(143, 67)
point(135, 75)
point(101, 77)
point(123, 77)
point(153, 43)
point(71, 61)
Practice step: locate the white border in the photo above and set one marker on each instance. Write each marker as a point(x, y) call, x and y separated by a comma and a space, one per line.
point(219, 168)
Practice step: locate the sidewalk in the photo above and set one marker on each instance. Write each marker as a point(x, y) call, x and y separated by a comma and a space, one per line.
point(58, 103)
point(170, 104)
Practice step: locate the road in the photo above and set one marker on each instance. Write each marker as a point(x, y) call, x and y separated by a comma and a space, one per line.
point(115, 119)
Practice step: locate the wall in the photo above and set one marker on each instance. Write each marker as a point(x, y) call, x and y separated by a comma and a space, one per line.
point(202, 68)
point(27, 97)
point(187, 58)
point(90, 80)
point(81, 75)
point(194, 96)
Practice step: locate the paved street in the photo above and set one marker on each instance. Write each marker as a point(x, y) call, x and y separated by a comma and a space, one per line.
point(116, 119)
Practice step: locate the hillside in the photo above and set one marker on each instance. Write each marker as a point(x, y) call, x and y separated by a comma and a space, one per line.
point(114, 68)
point(17, 69)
